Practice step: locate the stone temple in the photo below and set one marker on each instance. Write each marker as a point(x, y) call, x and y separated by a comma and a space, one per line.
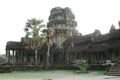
point(101, 51)
point(64, 24)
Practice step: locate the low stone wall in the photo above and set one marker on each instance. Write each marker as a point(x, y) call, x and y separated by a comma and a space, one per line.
point(98, 67)
point(23, 67)
point(5, 68)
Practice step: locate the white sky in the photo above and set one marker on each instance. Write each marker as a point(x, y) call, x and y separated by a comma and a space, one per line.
point(90, 15)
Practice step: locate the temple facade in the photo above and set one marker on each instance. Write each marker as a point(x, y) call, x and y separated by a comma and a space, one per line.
point(68, 44)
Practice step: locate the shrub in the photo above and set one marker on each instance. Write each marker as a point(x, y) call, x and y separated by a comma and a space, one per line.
point(82, 65)
point(3, 59)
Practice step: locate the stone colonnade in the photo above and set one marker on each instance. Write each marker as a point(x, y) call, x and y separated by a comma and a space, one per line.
point(15, 56)
point(23, 57)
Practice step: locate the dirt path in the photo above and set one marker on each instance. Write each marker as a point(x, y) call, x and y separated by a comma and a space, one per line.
point(73, 78)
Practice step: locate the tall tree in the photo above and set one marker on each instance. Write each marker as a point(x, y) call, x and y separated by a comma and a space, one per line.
point(35, 37)
point(50, 34)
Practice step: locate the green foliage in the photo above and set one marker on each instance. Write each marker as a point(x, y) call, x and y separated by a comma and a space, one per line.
point(82, 65)
point(3, 59)
point(37, 33)
point(34, 35)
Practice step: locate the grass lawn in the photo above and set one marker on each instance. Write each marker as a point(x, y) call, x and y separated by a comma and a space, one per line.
point(42, 74)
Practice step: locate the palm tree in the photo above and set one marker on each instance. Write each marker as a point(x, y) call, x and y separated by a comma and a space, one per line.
point(35, 38)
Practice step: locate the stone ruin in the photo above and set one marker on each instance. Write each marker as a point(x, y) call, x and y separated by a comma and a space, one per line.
point(62, 20)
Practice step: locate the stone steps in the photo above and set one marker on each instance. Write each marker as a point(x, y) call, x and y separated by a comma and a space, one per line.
point(114, 70)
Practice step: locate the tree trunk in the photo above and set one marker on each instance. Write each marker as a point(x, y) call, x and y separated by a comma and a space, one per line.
point(47, 58)
point(36, 60)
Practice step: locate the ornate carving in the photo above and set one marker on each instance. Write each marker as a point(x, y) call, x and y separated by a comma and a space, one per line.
point(62, 20)
point(64, 17)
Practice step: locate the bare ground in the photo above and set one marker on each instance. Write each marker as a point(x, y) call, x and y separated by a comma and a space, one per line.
point(69, 78)
point(58, 75)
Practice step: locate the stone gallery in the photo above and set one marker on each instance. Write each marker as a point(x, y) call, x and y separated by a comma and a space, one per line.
point(100, 50)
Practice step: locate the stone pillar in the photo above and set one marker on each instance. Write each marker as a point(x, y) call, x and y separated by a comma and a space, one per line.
point(97, 57)
point(106, 54)
point(67, 57)
point(13, 56)
point(81, 55)
point(39, 58)
point(108, 57)
point(16, 56)
point(8, 55)
point(44, 58)
point(51, 57)
point(119, 53)
point(47, 61)
point(89, 58)
point(75, 56)
point(119, 56)
point(21, 56)
point(25, 58)
point(78, 55)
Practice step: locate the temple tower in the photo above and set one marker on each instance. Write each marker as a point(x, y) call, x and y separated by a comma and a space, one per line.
point(112, 29)
point(62, 20)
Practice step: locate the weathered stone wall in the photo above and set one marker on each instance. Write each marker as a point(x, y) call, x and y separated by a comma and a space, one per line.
point(62, 20)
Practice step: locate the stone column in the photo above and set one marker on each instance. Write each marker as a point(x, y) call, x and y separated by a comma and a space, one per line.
point(8, 55)
point(67, 57)
point(119, 56)
point(51, 58)
point(75, 56)
point(47, 61)
point(13, 56)
point(39, 58)
point(119, 53)
point(16, 56)
point(24, 58)
point(106, 54)
point(81, 54)
point(89, 58)
point(21, 56)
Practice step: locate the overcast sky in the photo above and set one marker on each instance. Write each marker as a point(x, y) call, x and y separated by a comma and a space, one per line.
point(90, 15)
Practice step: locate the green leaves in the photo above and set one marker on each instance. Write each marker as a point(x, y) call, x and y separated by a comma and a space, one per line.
point(34, 35)
point(37, 34)
point(34, 23)
point(31, 22)
point(82, 65)
point(3, 59)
